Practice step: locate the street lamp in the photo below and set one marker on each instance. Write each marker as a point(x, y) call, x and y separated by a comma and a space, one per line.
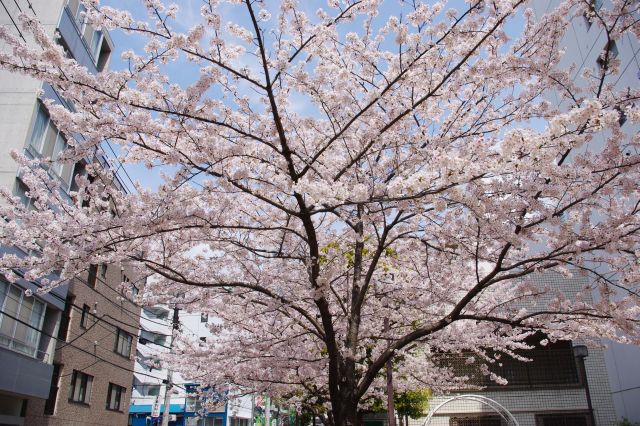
point(581, 352)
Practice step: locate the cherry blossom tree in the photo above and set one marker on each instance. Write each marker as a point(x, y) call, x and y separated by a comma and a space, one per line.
point(325, 170)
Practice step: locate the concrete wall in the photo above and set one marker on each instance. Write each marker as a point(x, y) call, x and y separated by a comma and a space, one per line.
point(583, 44)
point(18, 93)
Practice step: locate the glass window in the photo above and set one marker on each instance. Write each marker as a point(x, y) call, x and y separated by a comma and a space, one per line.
point(114, 397)
point(80, 20)
point(475, 421)
point(59, 146)
point(20, 320)
point(80, 388)
point(123, 343)
point(96, 43)
point(93, 275)
point(564, 419)
point(84, 319)
point(39, 128)
point(204, 317)
point(152, 390)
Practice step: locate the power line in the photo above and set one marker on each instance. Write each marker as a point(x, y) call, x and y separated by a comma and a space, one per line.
point(76, 347)
point(133, 315)
point(14, 22)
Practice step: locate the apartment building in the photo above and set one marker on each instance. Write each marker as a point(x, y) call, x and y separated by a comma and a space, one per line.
point(565, 384)
point(149, 383)
point(583, 45)
point(66, 357)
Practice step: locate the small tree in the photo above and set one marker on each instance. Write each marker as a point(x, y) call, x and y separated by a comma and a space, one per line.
point(412, 404)
point(326, 169)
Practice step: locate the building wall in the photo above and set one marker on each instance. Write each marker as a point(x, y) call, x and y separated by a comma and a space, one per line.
point(91, 349)
point(18, 93)
point(23, 377)
point(583, 44)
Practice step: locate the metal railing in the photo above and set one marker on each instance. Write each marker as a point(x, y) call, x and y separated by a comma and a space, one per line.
point(554, 367)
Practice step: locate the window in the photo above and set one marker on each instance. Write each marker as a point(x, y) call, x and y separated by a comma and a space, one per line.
point(594, 6)
point(84, 319)
point(63, 331)
point(204, 317)
point(114, 397)
point(39, 128)
point(22, 191)
point(123, 343)
point(553, 364)
point(93, 275)
point(50, 404)
point(24, 335)
point(151, 337)
point(204, 421)
point(236, 421)
point(59, 146)
point(47, 141)
point(80, 388)
point(96, 43)
point(475, 421)
point(103, 270)
point(150, 390)
point(80, 20)
point(563, 419)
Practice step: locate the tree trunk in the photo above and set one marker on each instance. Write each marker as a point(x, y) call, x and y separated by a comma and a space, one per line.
point(391, 412)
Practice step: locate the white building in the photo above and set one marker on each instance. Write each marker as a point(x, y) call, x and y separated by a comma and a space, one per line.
point(149, 388)
point(583, 44)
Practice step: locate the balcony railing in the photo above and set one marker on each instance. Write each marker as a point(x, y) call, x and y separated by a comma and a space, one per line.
point(548, 368)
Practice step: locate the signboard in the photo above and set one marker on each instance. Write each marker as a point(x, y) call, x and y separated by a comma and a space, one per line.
point(156, 408)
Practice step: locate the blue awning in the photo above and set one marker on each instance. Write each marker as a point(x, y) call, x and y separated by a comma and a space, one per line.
point(146, 408)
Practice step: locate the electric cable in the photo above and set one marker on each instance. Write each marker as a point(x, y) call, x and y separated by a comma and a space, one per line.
point(76, 347)
point(14, 22)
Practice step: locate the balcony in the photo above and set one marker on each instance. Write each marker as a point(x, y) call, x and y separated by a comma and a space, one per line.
point(24, 375)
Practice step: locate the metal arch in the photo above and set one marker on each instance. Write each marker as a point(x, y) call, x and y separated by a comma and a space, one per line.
point(495, 406)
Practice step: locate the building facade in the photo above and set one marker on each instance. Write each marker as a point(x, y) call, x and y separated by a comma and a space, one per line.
point(583, 45)
point(149, 383)
point(67, 356)
point(554, 389)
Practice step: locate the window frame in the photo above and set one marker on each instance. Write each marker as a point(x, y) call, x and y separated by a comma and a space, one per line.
point(120, 391)
point(123, 336)
point(84, 318)
point(92, 277)
point(85, 387)
point(32, 332)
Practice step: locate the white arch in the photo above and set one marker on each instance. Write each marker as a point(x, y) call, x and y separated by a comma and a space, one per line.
point(495, 406)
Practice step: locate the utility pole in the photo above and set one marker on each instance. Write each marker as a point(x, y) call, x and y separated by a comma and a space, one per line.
point(391, 415)
point(169, 386)
point(267, 412)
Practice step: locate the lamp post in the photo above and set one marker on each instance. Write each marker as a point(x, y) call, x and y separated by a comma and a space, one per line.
point(581, 352)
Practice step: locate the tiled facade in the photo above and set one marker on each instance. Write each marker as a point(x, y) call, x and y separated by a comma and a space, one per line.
point(90, 347)
point(528, 403)
point(583, 44)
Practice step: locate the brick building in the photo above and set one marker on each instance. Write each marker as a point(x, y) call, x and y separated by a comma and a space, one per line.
point(93, 363)
point(66, 357)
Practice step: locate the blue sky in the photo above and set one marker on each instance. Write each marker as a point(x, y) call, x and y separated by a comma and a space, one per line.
point(189, 15)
